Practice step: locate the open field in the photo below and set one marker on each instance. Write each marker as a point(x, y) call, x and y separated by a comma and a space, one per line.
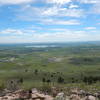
point(65, 65)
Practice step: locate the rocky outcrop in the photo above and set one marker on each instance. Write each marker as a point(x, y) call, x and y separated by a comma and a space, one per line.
point(26, 95)
point(77, 94)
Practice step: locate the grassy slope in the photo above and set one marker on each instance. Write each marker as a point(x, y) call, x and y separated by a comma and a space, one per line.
point(72, 64)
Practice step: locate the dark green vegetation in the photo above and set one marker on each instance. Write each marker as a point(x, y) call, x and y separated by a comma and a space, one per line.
point(55, 65)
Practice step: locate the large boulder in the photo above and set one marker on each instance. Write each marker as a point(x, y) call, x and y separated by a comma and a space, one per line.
point(34, 90)
point(90, 97)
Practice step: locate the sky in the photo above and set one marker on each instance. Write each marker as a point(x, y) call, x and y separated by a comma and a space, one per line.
point(30, 21)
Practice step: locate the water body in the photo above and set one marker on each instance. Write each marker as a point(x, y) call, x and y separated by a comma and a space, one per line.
point(40, 46)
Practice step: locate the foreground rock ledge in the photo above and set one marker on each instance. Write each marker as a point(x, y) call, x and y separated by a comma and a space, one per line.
point(33, 94)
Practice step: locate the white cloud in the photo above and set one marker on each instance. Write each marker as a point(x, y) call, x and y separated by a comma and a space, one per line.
point(96, 8)
point(11, 31)
point(73, 6)
point(58, 35)
point(30, 13)
point(15, 39)
point(67, 35)
point(90, 28)
point(89, 1)
point(16, 32)
point(98, 23)
point(48, 37)
point(60, 22)
point(95, 5)
point(74, 13)
point(13, 2)
point(58, 1)
point(6, 2)
point(57, 11)
point(50, 11)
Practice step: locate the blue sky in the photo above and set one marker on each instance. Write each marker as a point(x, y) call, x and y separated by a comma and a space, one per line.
point(26, 21)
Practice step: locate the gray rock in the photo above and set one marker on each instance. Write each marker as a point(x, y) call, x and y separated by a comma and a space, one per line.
point(75, 97)
point(60, 96)
point(90, 97)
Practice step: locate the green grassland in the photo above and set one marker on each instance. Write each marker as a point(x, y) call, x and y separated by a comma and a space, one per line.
point(75, 65)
